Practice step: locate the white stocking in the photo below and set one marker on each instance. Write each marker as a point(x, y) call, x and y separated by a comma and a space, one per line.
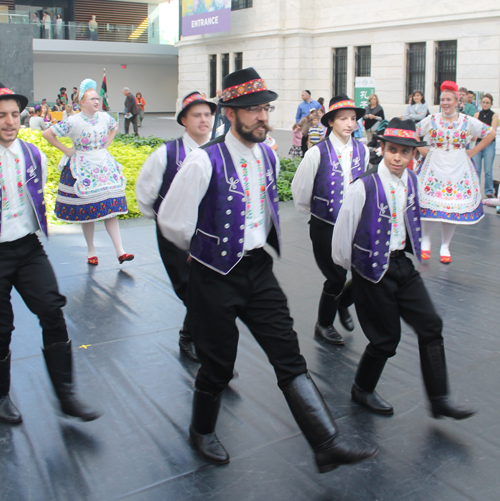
point(427, 229)
point(114, 232)
point(447, 230)
point(88, 233)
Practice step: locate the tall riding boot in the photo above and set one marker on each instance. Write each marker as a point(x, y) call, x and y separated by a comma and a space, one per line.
point(59, 361)
point(317, 424)
point(345, 301)
point(324, 328)
point(202, 430)
point(434, 373)
point(363, 391)
point(8, 411)
point(186, 342)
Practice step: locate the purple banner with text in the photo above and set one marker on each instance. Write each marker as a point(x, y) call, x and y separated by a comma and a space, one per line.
point(205, 16)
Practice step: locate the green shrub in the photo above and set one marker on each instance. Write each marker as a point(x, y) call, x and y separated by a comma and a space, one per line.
point(288, 166)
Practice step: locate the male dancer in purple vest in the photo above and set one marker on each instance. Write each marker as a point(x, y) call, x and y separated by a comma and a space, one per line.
point(24, 264)
point(318, 188)
point(154, 181)
point(223, 206)
point(378, 223)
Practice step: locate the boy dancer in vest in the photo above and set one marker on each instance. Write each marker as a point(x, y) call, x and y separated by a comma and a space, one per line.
point(378, 223)
point(24, 264)
point(318, 188)
point(154, 181)
point(223, 206)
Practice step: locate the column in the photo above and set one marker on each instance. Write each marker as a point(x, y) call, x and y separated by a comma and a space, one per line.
point(351, 68)
point(430, 70)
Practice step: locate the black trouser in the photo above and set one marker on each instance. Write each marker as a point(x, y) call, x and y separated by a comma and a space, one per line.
point(303, 144)
point(321, 236)
point(133, 121)
point(25, 266)
point(401, 294)
point(175, 262)
point(251, 292)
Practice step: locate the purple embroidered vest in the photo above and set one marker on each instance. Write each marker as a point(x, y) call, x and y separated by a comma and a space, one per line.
point(175, 156)
point(34, 184)
point(370, 251)
point(219, 236)
point(328, 188)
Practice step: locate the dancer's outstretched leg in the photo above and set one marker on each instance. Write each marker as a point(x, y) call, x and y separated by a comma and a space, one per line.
point(113, 230)
point(447, 231)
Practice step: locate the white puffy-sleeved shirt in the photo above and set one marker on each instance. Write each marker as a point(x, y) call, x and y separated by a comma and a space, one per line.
point(150, 178)
point(18, 216)
point(178, 213)
point(396, 192)
point(303, 181)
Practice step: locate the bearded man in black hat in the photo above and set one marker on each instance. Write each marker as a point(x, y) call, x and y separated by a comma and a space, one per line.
point(25, 266)
point(153, 183)
point(377, 225)
point(318, 189)
point(223, 207)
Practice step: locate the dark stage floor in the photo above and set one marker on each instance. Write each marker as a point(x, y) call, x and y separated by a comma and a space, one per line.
point(124, 323)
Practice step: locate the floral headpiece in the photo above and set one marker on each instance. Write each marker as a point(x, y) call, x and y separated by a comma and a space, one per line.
point(87, 84)
point(449, 85)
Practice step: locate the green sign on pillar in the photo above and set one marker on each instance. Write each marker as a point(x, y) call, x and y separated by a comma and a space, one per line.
point(363, 88)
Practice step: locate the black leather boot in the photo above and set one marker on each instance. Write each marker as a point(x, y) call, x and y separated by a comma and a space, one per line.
point(186, 343)
point(59, 361)
point(324, 328)
point(433, 364)
point(345, 301)
point(8, 411)
point(202, 430)
point(319, 428)
point(363, 391)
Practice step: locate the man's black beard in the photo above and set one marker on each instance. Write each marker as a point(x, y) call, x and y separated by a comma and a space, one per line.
point(248, 134)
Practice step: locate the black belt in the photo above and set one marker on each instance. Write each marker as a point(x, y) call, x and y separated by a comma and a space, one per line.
point(398, 253)
point(253, 252)
point(19, 241)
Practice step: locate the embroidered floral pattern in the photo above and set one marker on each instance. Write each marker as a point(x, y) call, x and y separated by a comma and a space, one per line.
point(7, 197)
point(262, 193)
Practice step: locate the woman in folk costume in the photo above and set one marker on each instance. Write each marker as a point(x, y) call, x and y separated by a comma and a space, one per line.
point(449, 188)
point(92, 185)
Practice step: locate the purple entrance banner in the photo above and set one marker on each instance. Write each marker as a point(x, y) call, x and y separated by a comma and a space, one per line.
point(207, 22)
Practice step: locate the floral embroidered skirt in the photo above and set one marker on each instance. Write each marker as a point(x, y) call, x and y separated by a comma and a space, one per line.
point(452, 217)
point(74, 209)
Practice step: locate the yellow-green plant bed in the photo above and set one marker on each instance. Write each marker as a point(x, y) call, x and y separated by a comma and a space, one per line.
point(130, 157)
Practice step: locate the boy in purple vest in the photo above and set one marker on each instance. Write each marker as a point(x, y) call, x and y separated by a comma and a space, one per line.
point(223, 207)
point(153, 183)
point(377, 225)
point(24, 264)
point(318, 189)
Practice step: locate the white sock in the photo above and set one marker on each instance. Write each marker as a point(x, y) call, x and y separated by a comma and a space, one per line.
point(114, 232)
point(88, 233)
point(447, 230)
point(427, 229)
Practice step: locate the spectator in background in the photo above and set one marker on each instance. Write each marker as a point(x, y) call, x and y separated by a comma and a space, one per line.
point(470, 99)
point(306, 106)
point(68, 111)
point(93, 29)
point(418, 110)
point(36, 120)
point(25, 116)
point(44, 101)
point(305, 123)
point(59, 106)
point(47, 25)
point(140, 105)
point(296, 149)
point(315, 134)
point(131, 111)
point(75, 99)
point(488, 117)
point(463, 105)
point(374, 114)
point(321, 101)
point(46, 114)
point(59, 23)
point(410, 99)
point(35, 21)
point(324, 129)
point(63, 96)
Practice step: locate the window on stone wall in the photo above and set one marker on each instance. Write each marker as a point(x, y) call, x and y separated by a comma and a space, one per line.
point(415, 68)
point(213, 74)
point(339, 71)
point(238, 61)
point(241, 4)
point(363, 61)
point(225, 65)
point(446, 65)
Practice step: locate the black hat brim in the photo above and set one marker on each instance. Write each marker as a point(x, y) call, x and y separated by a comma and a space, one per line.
point(360, 113)
point(213, 107)
point(401, 140)
point(23, 100)
point(255, 98)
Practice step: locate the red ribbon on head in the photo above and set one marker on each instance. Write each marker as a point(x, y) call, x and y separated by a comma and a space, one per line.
point(342, 104)
point(407, 134)
point(191, 98)
point(4, 91)
point(257, 85)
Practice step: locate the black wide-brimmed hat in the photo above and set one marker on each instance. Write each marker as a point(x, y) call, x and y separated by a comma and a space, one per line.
point(192, 99)
point(245, 88)
point(401, 132)
point(341, 102)
point(6, 93)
